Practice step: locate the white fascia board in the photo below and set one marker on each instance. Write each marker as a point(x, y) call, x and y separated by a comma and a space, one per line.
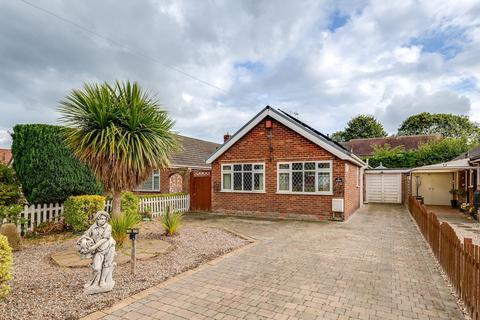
point(291, 125)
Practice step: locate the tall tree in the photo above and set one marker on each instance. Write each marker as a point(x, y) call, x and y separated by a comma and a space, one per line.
point(448, 125)
point(361, 126)
point(120, 132)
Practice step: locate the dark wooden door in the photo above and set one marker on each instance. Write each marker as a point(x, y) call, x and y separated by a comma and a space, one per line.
point(200, 191)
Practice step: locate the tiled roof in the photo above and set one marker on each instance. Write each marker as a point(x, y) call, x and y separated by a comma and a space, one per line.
point(5, 156)
point(472, 154)
point(365, 147)
point(194, 154)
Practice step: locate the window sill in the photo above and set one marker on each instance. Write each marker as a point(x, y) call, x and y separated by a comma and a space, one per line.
point(306, 193)
point(236, 191)
point(137, 190)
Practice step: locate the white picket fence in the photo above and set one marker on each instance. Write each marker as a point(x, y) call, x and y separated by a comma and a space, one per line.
point(36, 214)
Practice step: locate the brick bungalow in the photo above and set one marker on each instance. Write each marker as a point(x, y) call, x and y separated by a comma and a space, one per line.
point(177, 177)
point(275, 165)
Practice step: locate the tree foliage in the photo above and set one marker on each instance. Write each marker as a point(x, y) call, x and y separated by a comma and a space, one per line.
point(120, 132)
point(435, 151)
point(46, 168)
point(448, 125)
point(361, 126)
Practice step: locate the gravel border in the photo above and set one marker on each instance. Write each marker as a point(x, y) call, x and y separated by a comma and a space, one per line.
point(41, 290)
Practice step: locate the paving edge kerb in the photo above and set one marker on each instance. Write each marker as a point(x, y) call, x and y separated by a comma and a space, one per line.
point(144, 293)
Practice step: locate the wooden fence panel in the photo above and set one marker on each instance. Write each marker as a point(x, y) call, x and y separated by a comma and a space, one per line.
point(460, 261)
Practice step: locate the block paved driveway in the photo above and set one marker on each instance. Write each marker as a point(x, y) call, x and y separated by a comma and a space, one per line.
point(376, 266)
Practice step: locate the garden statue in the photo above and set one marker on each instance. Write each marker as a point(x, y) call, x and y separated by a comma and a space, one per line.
point(97, 244)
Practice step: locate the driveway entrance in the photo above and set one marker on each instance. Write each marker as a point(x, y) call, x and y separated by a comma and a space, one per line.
point(375, 266)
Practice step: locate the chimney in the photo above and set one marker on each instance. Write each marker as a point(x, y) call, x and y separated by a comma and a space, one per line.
point(226, 137)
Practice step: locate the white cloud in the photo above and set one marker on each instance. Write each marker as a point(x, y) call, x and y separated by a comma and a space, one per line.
point(388, 59)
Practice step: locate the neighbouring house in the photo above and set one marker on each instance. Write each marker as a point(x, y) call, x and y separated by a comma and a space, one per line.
point(177, 178)
point(6, 156)
point(364, 148)
point(277, 166)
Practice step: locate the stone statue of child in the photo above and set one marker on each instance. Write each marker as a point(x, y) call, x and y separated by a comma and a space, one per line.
point(97, 243)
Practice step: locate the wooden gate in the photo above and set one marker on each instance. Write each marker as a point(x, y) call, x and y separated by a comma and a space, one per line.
point(200, 191)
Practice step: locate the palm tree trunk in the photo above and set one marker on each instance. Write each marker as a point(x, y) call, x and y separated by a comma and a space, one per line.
point(116, 203)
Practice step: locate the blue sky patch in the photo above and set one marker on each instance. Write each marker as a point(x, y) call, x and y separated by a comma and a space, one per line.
point(465, 85)
point(252, 66)
point(448, 42)
point(337, 20)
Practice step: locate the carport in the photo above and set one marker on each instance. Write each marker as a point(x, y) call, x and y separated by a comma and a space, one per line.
point(434, 182)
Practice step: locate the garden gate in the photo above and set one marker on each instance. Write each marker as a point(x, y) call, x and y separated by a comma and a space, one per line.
point(200, 190)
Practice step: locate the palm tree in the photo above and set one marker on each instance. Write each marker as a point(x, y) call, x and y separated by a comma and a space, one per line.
point(120, 132)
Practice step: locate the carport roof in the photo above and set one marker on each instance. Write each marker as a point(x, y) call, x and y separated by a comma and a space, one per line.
point(449, 166)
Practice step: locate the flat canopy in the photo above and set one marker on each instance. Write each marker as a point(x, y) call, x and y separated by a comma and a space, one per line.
point(449, 166)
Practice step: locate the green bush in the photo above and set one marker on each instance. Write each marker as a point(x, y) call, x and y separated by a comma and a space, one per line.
point(130, 202)
point(171, 221)
point(5, 266)
point(11, 213)
point(9, 188)
point(120, 224)
point(79, 211)
point(46, 168)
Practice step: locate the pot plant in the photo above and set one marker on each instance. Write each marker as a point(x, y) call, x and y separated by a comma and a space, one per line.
point(454, 202)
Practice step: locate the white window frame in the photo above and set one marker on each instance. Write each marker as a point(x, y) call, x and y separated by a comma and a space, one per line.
point(317, 170)
point(155, 173)
point(263, 171)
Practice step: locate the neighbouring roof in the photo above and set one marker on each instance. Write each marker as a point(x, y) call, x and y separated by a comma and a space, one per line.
point(365, 147)
point(194, 154)
point(449, 166)
point(472, 154)
point(5, 156)
point(294, 124)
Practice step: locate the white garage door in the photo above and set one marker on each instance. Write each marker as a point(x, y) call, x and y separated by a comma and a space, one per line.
point(384, 187)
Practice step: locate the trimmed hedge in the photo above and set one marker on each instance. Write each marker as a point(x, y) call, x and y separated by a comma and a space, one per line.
point(46, 168)
point(5, 266)
point(79, 211)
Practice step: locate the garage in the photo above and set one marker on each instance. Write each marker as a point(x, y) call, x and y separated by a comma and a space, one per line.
point(383, 186)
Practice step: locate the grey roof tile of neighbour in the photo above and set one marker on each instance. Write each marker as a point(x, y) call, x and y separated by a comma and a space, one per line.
point(194, 153)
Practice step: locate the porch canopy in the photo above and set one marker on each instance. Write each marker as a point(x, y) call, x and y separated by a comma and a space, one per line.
point(449, 166)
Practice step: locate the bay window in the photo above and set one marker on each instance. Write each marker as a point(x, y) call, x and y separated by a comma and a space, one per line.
point(309, 177)
point(243, 177)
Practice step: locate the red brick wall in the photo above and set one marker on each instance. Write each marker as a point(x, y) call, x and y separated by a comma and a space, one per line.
point(284, 145)
point(352, 189)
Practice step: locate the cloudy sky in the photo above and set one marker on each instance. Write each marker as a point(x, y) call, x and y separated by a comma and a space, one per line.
point(215, 64)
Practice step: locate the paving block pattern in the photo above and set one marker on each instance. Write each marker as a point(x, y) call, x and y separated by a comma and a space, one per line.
point(376, 266)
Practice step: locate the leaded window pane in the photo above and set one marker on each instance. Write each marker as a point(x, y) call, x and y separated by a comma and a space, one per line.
point(247, 181)
point(237, 167)
point(309, 165)
point(297, 166)
point(237, 181)
point(309, 181)
point(323, 181)
point(247, 167)
point(258, 181)
point(324, 165)
point(284, 181)
point(297, 181)
point(227, 181)
point(258, 167)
